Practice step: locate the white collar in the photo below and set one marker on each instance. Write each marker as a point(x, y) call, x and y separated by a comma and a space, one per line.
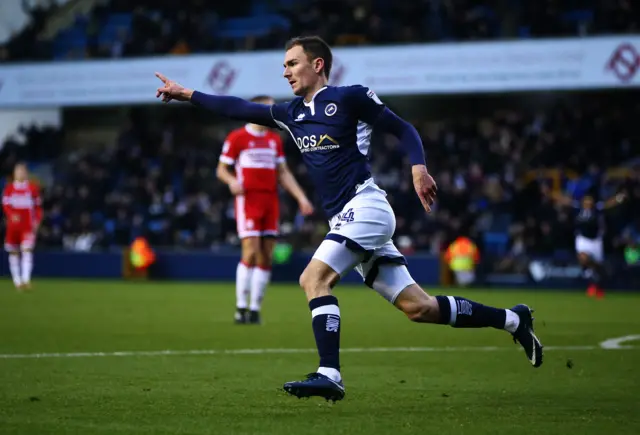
point(311, 104)
point(20, 184)
point(252, 131)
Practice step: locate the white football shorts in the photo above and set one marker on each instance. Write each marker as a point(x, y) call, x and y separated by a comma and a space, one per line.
point(591, 247)
point(360, 238)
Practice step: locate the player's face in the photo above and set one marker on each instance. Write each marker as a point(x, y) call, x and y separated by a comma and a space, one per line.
point(298, 70)
point(20, 173)
point(587, 203)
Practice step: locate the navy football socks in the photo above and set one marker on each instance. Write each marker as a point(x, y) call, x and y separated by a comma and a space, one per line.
point(326, 329)
point(463, 313)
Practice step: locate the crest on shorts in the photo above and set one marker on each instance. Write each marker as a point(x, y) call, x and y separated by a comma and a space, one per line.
point(331, 109)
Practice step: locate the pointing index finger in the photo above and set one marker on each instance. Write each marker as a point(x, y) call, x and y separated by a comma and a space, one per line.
point(161, 77)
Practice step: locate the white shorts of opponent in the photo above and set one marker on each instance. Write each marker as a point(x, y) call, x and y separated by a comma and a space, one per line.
point(465, 277)
point(360, 238)
point(591, 247)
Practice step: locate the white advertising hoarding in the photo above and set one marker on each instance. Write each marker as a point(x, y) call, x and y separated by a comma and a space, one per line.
point(551, 64)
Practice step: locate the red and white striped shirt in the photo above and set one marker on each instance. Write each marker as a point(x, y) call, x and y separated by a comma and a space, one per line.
point(256, 156)
point(22, 205)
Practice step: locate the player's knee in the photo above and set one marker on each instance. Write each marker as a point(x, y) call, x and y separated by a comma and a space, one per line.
point(264, 259)
point(250, 251)
point(583, 258)
point(306, 280)
point(249, 257)
point(424, 311)
point(317, 279)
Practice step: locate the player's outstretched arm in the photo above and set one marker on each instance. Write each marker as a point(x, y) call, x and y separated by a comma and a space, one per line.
point(614, 201)
point(410, 140)
point(230, 107)
point(563, 200)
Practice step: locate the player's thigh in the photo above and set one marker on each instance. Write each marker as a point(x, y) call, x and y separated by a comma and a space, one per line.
point(318, 278)
point(366, 223)
point(27, 241)
point(339, 256)
point(270, 222)
point(12, 240)
point(250, 249)
point(386, 272)
point(597, 251)
point(247, 214)
point(265, 254)
point(589, 248)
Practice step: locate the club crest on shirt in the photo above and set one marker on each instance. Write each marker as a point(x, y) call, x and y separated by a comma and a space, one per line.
point(331, 109)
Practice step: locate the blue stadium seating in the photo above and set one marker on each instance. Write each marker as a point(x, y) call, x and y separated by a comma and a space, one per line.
point(113, 25)
point(496, 243)
point(71, 38)
point(251, 26)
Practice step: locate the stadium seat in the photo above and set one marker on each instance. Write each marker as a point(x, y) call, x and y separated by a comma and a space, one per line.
point(259, 7)
point(251, 26)
point(114, 24)
point(496, 242)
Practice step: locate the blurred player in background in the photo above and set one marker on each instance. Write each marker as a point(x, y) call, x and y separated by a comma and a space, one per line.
point(589, 222)
point(258, 157)
point(22, 209)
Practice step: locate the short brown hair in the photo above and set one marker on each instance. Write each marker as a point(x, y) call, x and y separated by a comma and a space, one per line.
point(314, 47)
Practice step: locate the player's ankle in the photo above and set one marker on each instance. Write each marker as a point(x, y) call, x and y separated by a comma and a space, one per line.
point(331, 373)
point(512, 321)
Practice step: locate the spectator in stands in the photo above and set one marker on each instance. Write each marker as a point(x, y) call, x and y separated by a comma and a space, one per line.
point(116, 28)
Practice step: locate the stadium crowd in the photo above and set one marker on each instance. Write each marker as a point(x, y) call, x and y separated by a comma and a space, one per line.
point(162, 184)
point(121, 28)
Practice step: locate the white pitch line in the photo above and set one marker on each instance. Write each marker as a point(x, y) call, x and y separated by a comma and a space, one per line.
point(287, 351)
point(616, 343)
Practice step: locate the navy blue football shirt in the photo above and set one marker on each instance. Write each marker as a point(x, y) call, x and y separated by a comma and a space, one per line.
point(333, 133)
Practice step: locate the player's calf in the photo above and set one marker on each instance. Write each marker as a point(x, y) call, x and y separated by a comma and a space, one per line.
point(260, 280)
point(460, 312)
point(594, 272)
point(418, 305)
point(14, 267)
point(317, 280)
point(26, 268)
point(244, 276)
point(456, 311)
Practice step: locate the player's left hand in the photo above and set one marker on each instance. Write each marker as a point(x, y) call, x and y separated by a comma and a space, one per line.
point(306, 208)
point(425, 186)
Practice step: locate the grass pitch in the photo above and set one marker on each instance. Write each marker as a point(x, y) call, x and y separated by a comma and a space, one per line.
point(59, 373)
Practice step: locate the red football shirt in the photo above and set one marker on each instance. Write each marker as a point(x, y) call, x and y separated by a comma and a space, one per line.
point(256, 156)
point(22, 205)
